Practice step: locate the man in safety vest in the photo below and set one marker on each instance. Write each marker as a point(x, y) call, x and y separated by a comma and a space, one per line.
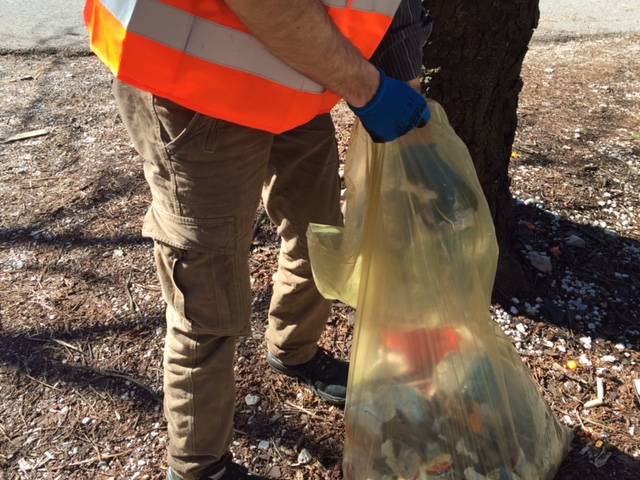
point(226, 100)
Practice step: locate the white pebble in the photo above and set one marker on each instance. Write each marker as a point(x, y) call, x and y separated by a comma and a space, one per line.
point(540, 262)
point(576, 241)
point(304, 457)
point(586, 342)
point(584, 360)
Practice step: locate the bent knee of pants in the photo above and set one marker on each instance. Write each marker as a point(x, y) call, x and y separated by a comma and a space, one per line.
point(207, 292)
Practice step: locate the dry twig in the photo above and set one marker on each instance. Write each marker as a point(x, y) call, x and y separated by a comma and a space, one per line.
point(42, 383)
point(101, 458)
point(26, 135)
point(302, 409)
point(111, 373)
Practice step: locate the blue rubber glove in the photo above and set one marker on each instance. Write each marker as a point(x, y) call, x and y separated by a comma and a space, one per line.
point(395, 109)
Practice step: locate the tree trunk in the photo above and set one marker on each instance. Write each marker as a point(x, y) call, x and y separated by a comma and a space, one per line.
point(473, 62)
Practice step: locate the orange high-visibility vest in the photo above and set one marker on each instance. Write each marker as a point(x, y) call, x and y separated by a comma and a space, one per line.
point(199, 55)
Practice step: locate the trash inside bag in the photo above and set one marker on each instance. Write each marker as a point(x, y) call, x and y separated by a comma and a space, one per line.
point(436, 390)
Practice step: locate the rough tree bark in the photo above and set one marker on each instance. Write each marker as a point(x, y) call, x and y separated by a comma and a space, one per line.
point(473, 63)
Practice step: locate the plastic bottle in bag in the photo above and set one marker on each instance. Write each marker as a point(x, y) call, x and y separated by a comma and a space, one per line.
point(436, 390)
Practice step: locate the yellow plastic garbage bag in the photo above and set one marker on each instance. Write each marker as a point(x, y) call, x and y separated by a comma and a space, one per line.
point(436, 390)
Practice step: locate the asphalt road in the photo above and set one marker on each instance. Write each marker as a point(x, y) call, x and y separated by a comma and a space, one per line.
point(41, 24)
point(587, 17)
point(46, 24)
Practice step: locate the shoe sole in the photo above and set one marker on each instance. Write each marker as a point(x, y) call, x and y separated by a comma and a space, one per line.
point(331, 399)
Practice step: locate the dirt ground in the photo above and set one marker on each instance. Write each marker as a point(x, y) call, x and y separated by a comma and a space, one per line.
point(81, 318)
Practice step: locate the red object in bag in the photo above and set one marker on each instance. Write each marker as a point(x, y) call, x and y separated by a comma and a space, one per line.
point(422, 349)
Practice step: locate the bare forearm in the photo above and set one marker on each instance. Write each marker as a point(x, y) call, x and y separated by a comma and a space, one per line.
point(301, 34)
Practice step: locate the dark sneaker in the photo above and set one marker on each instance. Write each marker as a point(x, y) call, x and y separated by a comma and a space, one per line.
point(226, 469)
point(326, 375)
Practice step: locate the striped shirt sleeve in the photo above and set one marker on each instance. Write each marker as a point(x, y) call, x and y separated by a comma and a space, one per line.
point(400, 53)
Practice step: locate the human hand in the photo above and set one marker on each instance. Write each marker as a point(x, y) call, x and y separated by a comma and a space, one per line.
point(395, 109)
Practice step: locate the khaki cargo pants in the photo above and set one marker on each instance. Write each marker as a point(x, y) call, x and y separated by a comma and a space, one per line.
point(206, 177)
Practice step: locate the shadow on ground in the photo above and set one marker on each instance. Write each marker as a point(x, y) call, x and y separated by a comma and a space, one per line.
point(607, 266)
point(38, 356)
point(593, 289)
point(580, 463)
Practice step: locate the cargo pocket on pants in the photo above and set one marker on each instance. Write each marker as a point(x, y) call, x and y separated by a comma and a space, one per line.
point(207, 289)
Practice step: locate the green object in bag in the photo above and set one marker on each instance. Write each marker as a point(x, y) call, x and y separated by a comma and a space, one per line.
point(436, 390)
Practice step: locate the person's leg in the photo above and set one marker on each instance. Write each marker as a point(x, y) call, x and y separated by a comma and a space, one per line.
point(205, 177)
point(302, 187)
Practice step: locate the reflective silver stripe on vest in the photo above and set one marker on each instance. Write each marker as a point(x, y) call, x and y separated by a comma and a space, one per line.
point(206, 40)
point(385, 7)
point(336, 3)
point(217, 44)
